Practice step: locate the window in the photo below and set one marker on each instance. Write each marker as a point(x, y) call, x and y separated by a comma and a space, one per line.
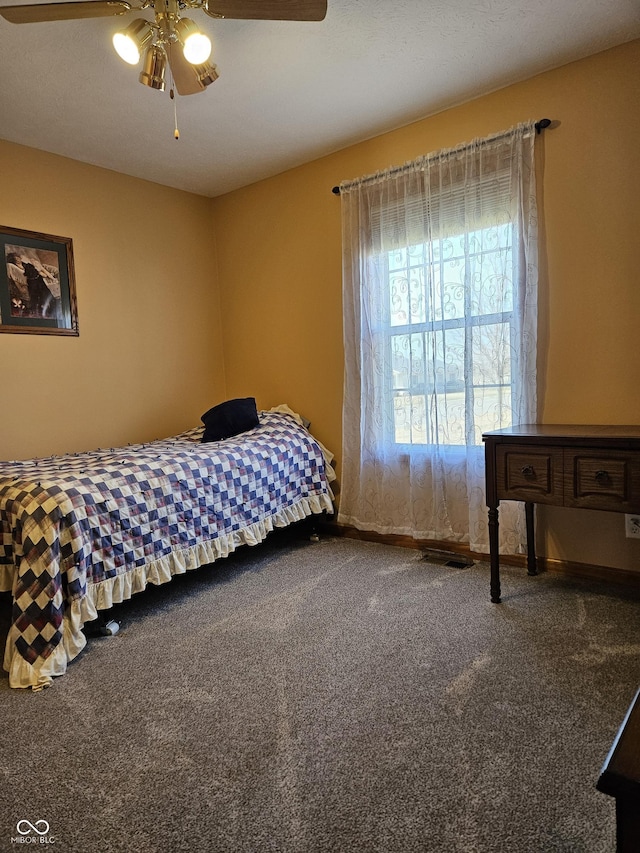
point(449, 337)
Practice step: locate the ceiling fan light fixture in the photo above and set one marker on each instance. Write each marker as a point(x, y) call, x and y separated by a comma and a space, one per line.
point(130, 42)
point(167, 40)
point(153, 68)
point(196, 46)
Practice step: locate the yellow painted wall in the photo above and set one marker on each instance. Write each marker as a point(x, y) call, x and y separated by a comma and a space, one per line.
point(148, 361)
point(279, 264)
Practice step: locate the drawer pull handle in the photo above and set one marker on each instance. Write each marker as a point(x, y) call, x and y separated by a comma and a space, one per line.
point(527, 471)
point(602, 476)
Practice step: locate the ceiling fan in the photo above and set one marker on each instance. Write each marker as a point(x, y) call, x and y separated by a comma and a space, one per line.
point(169, 38)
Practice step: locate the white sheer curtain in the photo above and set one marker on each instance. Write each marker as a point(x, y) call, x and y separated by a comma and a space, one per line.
point(440, 318)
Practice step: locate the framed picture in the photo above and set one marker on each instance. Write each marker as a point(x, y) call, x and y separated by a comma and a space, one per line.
point(37, 283)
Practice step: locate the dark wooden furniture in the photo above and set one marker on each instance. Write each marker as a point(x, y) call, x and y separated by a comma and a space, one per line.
point(588, 467)
point(620, 778)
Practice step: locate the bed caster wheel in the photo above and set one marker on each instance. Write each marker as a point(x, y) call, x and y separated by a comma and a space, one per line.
point(110, 629)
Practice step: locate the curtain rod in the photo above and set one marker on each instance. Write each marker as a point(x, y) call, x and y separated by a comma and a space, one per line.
point(539, 126)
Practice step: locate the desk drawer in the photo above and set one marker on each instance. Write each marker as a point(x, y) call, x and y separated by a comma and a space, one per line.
point(529, 474)
point(601, 480)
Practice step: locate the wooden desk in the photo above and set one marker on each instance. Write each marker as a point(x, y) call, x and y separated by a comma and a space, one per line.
point(620, 778)
point(588, 467)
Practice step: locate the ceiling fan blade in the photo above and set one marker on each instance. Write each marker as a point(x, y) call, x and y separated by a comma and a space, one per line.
point(184, 74)
point(267, 10)
point(37, 12)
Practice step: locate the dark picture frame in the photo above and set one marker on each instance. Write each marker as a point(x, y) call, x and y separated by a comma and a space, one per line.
point(37, 283)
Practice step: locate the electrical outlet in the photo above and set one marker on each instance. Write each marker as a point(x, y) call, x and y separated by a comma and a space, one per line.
point(632, 526)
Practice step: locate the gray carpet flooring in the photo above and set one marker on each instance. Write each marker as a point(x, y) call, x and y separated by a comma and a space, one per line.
point(338, 696)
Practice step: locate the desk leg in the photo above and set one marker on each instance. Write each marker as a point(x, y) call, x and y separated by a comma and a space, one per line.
point(532, 567)
point(493, 552)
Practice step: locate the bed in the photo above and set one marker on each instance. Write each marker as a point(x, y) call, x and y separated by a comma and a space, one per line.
point(79, 533)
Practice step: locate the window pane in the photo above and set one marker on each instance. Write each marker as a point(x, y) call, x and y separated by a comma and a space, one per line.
point(399, 298)
point(407, 286)
point(408, 361)
point(409, 418)
point(445, 359)
point(490, 271)
point(491, 410)
point(491, 349)
point(450, 408)
point(447, 282)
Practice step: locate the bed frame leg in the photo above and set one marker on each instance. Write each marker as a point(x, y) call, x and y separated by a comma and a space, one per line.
point(102, 627)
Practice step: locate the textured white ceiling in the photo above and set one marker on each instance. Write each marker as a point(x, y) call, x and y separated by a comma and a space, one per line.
point(288, 92)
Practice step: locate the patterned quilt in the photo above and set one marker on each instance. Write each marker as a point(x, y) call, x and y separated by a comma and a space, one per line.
point(70, 523)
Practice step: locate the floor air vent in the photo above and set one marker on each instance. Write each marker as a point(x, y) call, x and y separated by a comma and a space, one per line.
point(458, 564)
point(446, 558)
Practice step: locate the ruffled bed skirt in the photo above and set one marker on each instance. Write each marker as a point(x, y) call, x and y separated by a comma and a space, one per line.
point(103, 595)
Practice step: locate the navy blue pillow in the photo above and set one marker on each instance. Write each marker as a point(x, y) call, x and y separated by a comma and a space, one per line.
point(230, 418)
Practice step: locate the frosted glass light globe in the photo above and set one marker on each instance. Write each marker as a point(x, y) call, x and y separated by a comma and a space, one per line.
point(130, 43)
point(197, 48)
point(126, 48)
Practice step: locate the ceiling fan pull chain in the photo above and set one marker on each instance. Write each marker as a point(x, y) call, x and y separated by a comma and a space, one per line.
point(176, 132)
